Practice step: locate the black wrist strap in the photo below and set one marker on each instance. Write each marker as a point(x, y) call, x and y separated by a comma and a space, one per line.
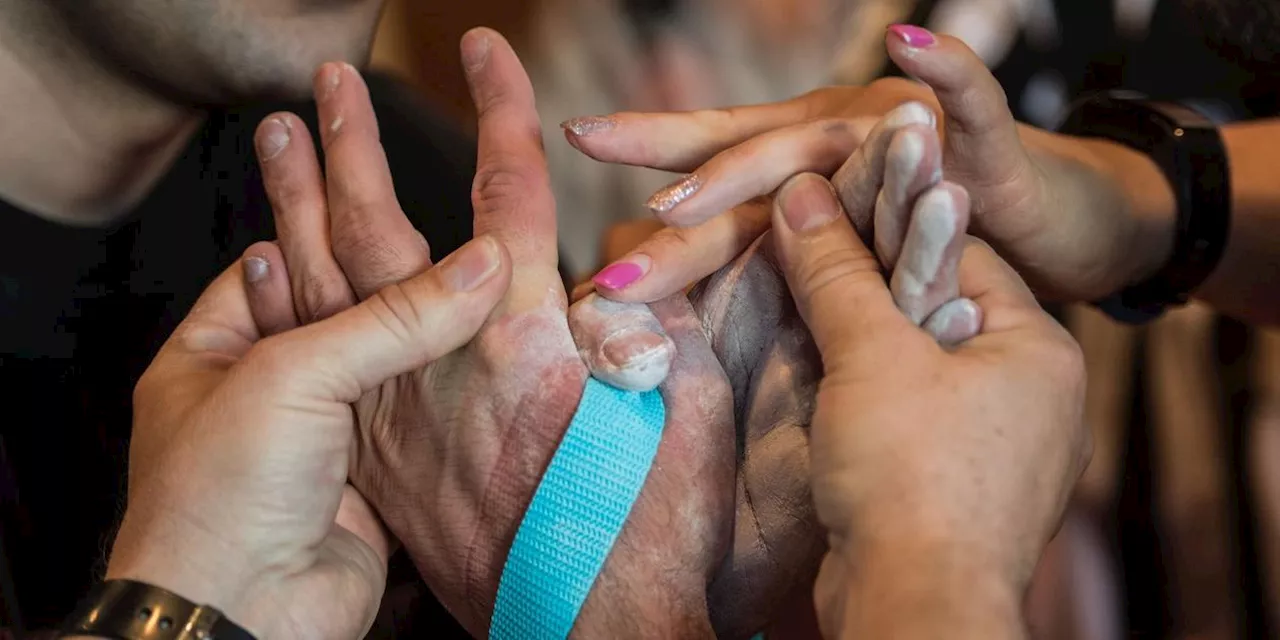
point(129, 610)
point(1189, 150)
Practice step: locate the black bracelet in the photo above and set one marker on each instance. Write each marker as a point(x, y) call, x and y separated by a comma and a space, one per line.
point(130, 610)
point(1189, 150)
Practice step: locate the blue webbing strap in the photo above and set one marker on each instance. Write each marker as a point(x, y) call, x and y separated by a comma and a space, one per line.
point(577, 513)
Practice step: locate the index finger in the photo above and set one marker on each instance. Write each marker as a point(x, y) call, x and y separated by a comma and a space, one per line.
point(512, 190)
point(681, 141)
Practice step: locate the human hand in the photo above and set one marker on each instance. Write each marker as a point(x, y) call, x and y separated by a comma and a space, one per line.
point(1079, 218)
point(451, 454)
point(238, 494)
point(774, 369)
point(939, 474)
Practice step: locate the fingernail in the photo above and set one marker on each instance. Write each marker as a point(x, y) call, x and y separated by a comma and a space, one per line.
point(914, 37)
point(808, 202)
point(955, 322)
point(272, 138)
point(472, 265)
point(475, 50)
point(630, 348)
point(673, 194)
point(623, 273)
point(330, 78)
point(256, 269)
point(911, 113)
point(588, 125)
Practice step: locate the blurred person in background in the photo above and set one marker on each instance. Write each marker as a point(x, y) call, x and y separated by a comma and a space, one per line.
point(127, 182)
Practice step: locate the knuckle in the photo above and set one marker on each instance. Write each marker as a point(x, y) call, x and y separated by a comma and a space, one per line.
point(372, 256)
point(504, 183)
point(1061, 354)
point(672, 241)
point(397, 311)
point(844, 267)
point(978, 101)
point(718, 119)
point(321, 297)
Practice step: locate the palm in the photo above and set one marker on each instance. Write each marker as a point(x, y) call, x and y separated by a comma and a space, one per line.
point(774, 369)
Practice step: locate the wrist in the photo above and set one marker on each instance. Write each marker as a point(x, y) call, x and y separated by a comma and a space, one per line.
point(916, 588)
point(1149, 208)
point(193, 564)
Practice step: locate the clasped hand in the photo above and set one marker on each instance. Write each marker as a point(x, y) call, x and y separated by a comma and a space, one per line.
point(440, 393)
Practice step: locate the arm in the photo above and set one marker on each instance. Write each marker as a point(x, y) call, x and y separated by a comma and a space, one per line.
point(912, 589)
point(1242, 286)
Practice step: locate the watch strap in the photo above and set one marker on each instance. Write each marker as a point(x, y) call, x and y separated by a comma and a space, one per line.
point(1188, 149)
point(132, 610)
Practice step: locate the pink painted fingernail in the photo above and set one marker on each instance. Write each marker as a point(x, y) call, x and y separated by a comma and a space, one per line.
point(589, 125)
point(673, 194)
point(623, 273)
point(914, 37)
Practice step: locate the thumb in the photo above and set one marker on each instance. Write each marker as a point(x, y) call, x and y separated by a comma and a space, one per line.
point(401, 328)
point(982, 140)
point(835, 280)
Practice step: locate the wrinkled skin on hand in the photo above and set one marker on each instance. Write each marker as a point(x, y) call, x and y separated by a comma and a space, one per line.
point(451, 455)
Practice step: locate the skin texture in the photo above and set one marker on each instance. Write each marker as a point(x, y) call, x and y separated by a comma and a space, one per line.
point(450, 456)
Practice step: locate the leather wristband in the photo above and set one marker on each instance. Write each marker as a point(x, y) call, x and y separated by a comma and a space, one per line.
point(131, 610)
point(1189, 151)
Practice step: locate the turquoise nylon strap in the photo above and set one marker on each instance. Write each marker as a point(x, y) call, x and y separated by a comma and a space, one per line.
point(577, 513)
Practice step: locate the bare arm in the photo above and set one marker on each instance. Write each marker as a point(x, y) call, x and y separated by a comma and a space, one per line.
point(1244, 283)
point(906, 590)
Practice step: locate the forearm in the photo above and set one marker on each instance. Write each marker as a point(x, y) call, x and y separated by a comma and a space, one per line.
point(1243, 283)
point(910, 591)
point(1091, 175)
